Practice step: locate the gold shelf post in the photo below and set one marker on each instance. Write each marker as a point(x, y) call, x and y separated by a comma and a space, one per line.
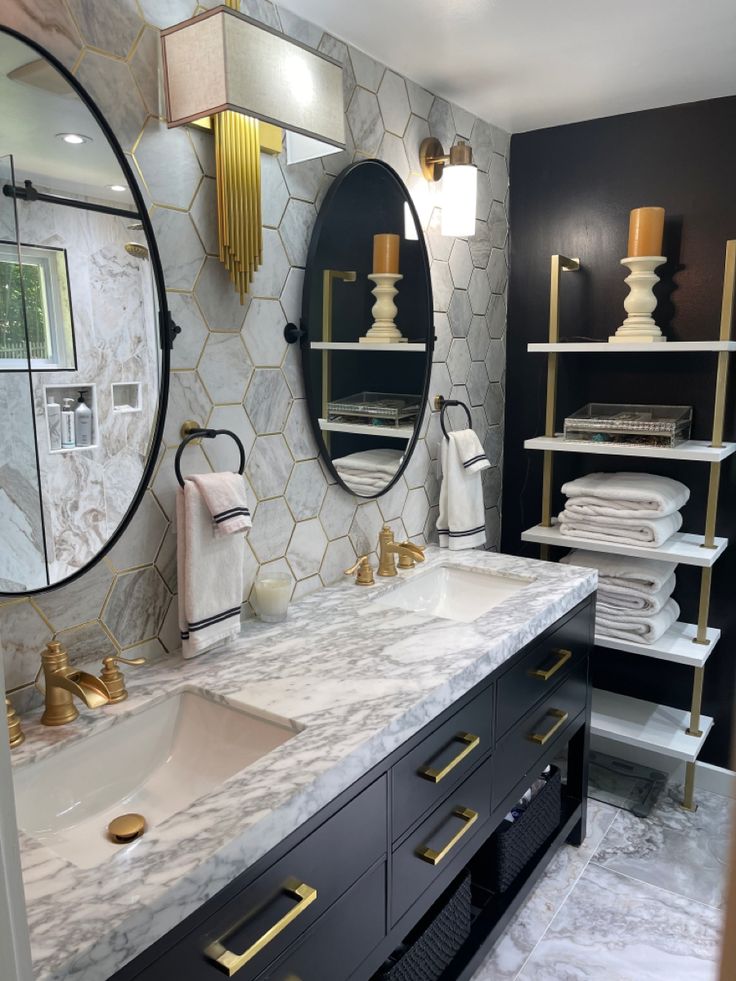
point(558, 263)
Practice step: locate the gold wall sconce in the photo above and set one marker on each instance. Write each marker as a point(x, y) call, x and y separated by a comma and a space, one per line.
point(224, 65)
point(459, 177)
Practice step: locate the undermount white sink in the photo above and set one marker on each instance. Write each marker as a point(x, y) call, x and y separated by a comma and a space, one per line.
point(154, 763)
point(453, 593)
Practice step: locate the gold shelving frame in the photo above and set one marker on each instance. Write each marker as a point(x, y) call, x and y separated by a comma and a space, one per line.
point(558, 265)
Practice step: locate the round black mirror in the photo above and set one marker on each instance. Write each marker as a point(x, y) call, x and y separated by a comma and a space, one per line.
point(367, 332)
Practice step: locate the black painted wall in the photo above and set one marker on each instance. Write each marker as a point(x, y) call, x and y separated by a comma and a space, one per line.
point(572, 188)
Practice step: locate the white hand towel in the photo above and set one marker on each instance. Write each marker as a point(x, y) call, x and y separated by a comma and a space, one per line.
point(224, 495)
point(633, 600)
point(210, 573)
point(364, 487)
point(643, 575)
point(371, 462)
point(461, 521)
point(644, 630)
point(626, 495)
point(647, 532)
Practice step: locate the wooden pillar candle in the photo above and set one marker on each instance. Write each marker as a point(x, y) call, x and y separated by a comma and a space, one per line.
point(646, 229)
point(385, 253)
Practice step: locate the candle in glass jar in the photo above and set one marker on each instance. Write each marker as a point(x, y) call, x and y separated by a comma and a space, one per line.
point(646, 228)
point(272, 595)
point(385, 253)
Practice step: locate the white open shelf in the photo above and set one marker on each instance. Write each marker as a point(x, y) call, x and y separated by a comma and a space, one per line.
point(692, 449)
point(681, 547)
point(676, 645)
point(638, 723)
point(356, 346)
point(656, 347)
point(360, 429)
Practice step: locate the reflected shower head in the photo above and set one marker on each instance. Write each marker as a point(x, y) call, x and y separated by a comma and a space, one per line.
point(137, 250)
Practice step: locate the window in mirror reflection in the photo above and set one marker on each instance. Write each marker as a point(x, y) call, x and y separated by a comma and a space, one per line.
point(41, 280)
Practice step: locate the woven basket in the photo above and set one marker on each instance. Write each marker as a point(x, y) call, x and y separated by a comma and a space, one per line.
point(515, 843)
point(430, 948)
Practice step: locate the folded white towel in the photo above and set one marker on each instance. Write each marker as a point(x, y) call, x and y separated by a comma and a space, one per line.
point(641, 630)
point(461, 520)
point(643, 575)
point(650, 533)
point(626, 495)
point(381, 461)
point(210, 574)
point(364, 487)
point(225, 497)
point(633, 600)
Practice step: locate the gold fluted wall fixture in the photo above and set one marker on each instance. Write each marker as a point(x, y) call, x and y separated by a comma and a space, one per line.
point(238, 162)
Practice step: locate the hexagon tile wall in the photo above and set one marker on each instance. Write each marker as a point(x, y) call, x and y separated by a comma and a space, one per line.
point(231, 367)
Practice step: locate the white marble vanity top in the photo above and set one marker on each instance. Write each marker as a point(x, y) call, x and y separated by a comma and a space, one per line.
point(360, 683)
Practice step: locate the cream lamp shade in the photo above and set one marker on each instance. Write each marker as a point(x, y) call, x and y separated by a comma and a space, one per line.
point(222, 60)
point(459, 197)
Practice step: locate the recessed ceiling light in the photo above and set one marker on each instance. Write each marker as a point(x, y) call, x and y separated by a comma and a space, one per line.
point(74, 138)
point(120, 188)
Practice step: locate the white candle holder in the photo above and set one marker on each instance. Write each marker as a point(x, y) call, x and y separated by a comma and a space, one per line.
point(640, 304)
point(384, 330)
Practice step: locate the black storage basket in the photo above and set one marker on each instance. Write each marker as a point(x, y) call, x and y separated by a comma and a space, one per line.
point(515, 843)
point(430, 948)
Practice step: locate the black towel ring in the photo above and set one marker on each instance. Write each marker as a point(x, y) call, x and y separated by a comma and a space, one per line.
point(206, 434)
point(446, 403)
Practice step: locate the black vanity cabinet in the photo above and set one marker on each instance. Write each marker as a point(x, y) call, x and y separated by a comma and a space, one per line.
point(333, 900)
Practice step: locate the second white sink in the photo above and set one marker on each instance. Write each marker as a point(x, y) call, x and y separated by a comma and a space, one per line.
point(453, 593)
point(154, 763)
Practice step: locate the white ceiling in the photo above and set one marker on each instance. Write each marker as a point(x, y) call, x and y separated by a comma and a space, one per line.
point(529, 64)
point(31, 117)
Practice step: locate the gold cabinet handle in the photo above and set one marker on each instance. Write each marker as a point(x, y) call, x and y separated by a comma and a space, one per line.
point(471, 743)
point(543, 737)
point(231, 962)
point(435, 857)
point(562, 659)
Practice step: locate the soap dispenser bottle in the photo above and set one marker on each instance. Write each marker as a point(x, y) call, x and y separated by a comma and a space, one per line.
point(67, 425)
point(83, 422)
point(53, 420)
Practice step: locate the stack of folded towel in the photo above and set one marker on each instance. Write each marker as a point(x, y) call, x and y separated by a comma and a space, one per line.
point(625, 508)
point(367, 473)
point(634, 595)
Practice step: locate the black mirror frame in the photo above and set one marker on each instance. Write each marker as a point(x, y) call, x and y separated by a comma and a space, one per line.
point(302, 333)
point(167, 328)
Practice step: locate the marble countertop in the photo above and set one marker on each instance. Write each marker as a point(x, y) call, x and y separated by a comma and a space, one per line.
point(360, 683)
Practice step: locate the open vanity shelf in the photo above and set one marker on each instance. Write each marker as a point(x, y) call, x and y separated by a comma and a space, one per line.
point(363, 429)
point(408, 348)
point(659, 728)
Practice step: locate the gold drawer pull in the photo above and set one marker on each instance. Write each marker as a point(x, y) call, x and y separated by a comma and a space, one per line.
point(543, 737)
point(435, 857)
point(231, 962)
point(563, 658)
point(471, 743)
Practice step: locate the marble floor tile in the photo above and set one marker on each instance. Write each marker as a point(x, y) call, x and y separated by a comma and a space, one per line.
point(612, 928)
point(528, 926)
point(674, 849)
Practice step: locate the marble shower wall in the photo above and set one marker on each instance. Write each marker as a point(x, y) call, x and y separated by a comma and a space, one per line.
point(231, 366)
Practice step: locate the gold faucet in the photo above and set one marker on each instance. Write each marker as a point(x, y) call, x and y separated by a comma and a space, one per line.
point(15, 733)
point(388, 550)
point(112, 676)
point(363, 572)
point(63, 683)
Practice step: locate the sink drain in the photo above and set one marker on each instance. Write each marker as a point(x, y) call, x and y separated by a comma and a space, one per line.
point(126, 828)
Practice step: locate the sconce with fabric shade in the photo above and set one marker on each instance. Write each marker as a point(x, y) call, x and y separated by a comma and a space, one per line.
point(225, 65)
point(459, 178)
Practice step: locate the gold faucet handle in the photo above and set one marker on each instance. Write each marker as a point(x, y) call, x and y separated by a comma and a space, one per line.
point(15, 733)
point(363, 572)
point(113, 678)
point(408, 561)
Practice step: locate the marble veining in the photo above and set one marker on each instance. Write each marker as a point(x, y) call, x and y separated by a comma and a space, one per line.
point(359, 684)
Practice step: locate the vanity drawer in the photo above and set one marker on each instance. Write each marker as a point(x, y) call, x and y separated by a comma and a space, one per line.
point(431, 848)
point(520, 751)
point(340, 940)
point(549, 662)
point(279, 906)
point(424, 777)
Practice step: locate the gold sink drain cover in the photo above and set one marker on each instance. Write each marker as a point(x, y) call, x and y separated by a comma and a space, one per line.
point(126, 828)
